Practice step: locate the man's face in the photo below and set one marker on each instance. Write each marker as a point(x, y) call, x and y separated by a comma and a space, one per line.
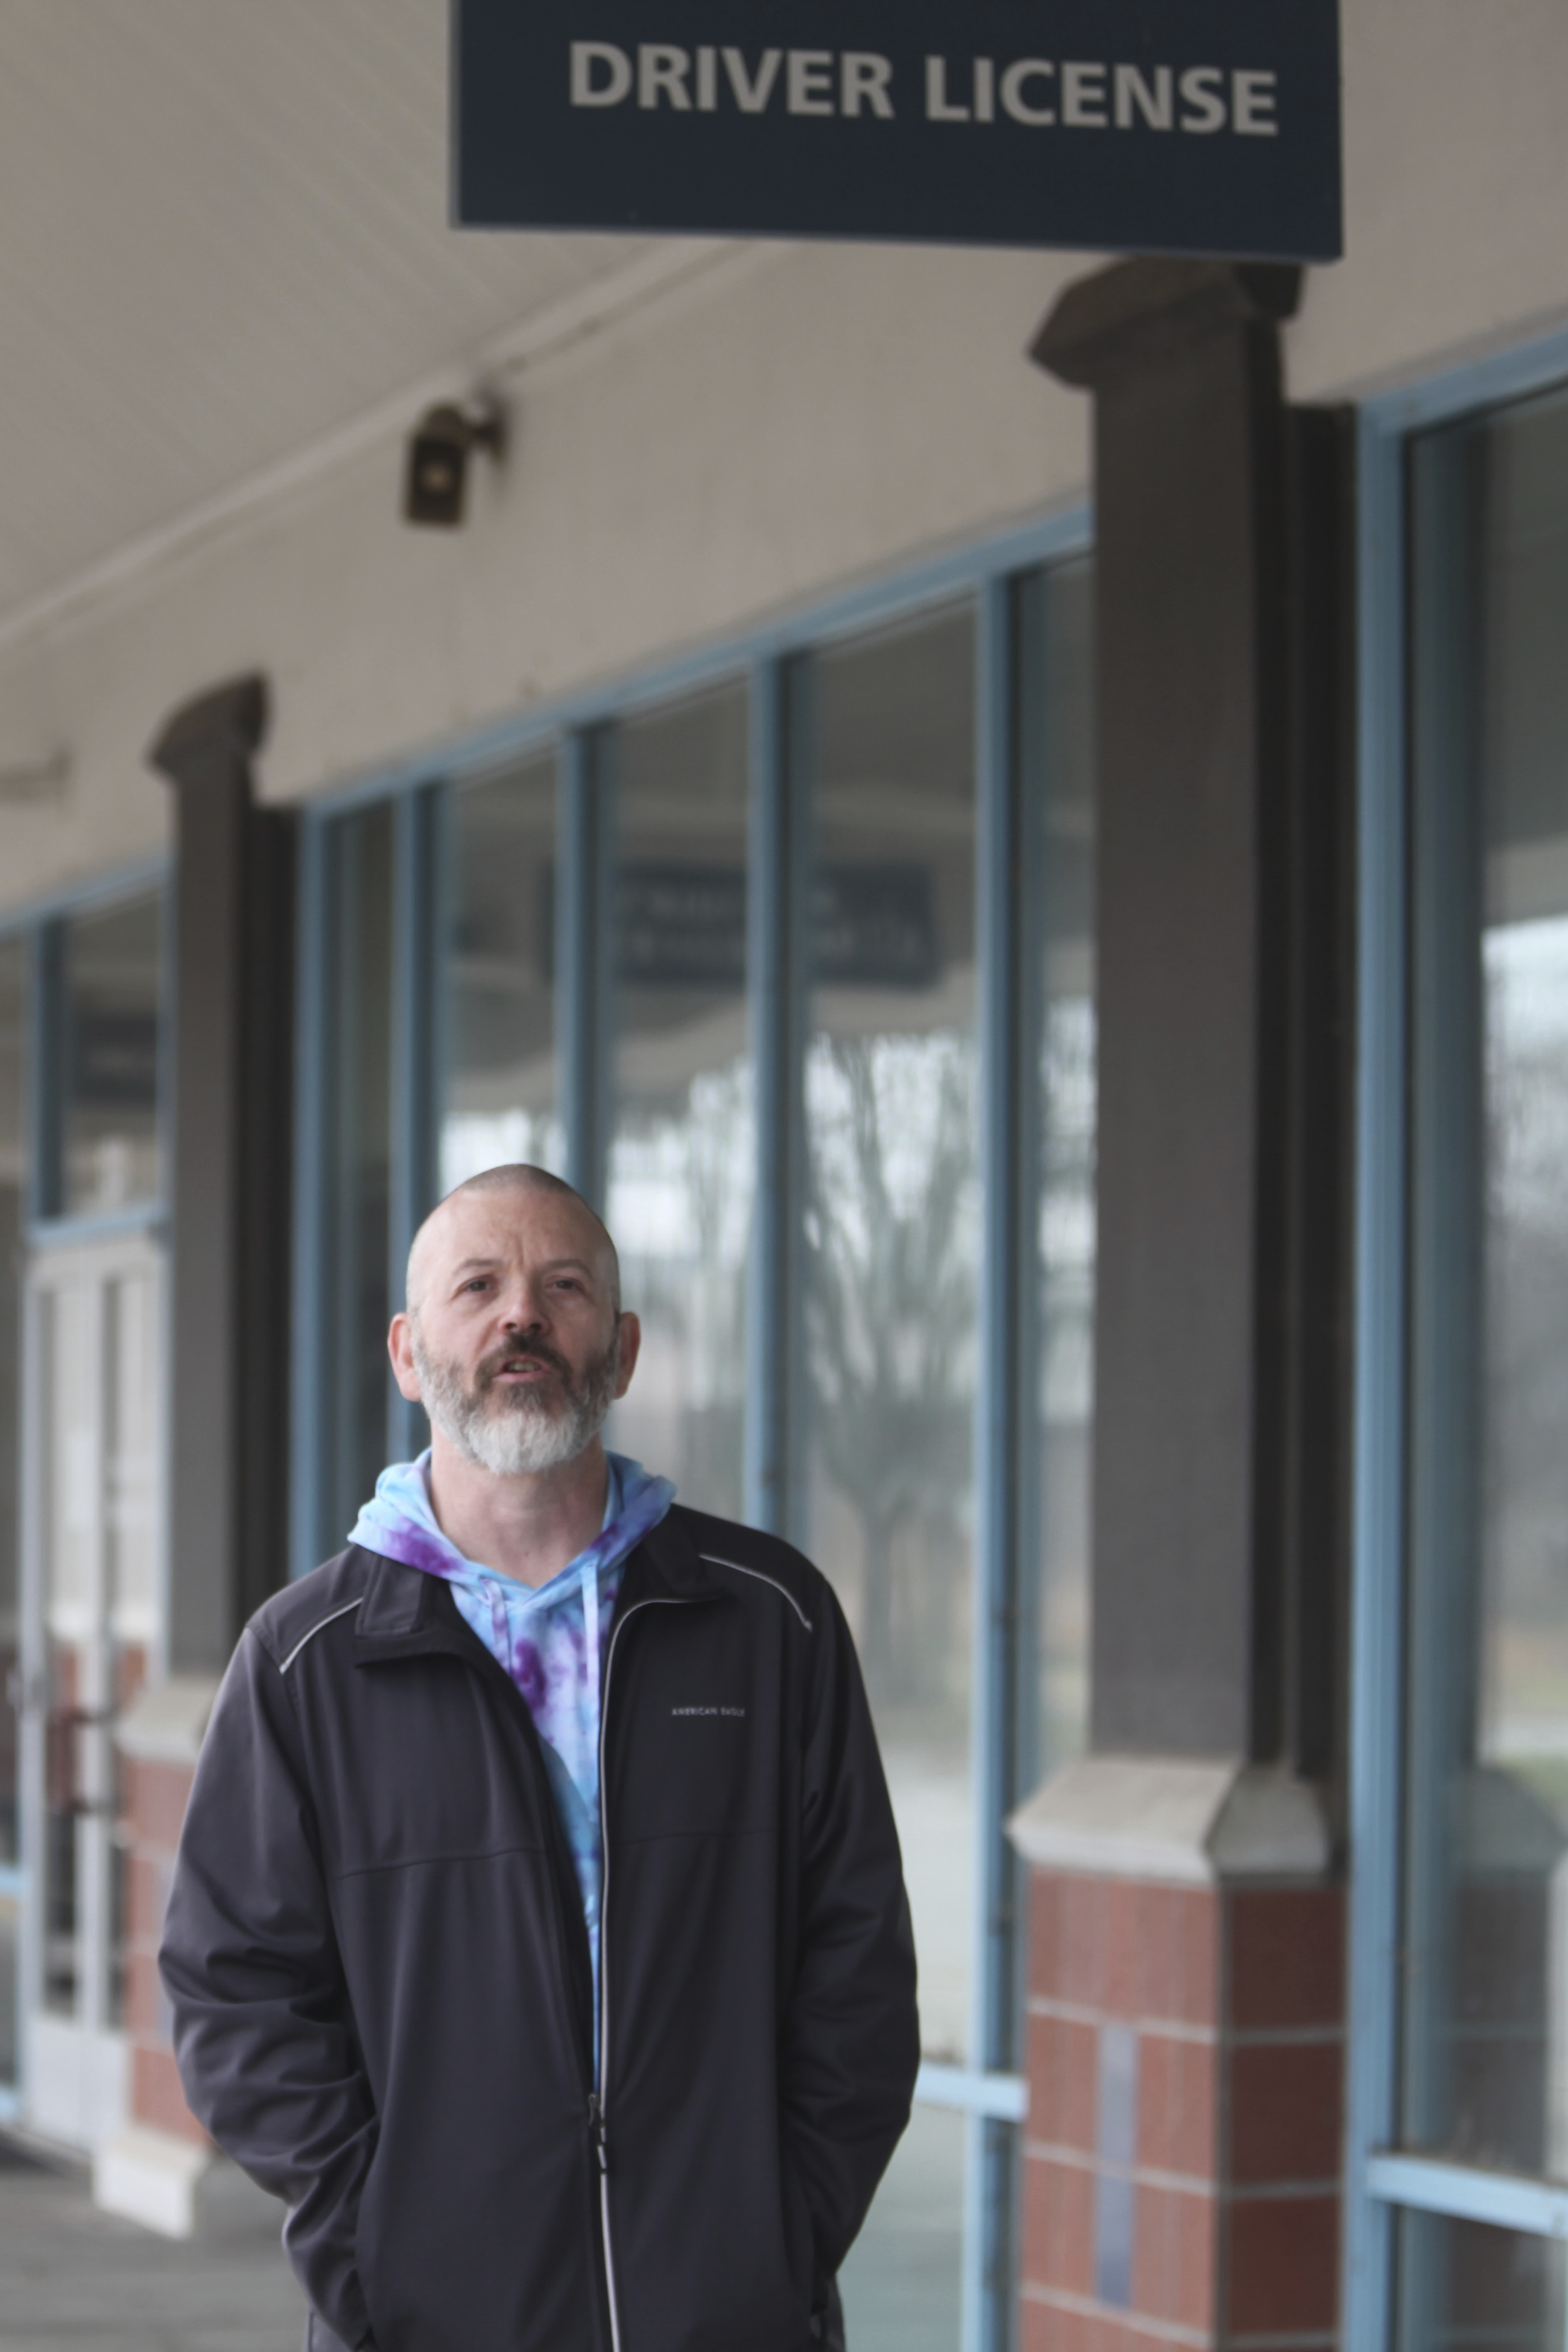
point(512, 1342)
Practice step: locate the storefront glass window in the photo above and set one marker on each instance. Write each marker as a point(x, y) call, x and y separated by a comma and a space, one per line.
point(682, 1146)
point(1467, 2284)
point(901, 2284)
point(1058, 751)
point(14, 1183)
point(892, 1234)
point(1484, 2046)
point(593, 1012)
point(892, 1228)
point(131, 1439)
point(110, 1073)
point(499, 1098)
point(356, 1094)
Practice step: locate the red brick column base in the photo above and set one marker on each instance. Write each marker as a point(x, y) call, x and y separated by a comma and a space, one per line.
point(1186, 2060)
point(156, 1796)
point(150, 2171)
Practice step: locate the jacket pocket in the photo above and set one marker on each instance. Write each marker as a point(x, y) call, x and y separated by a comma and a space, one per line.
point(800, 2239)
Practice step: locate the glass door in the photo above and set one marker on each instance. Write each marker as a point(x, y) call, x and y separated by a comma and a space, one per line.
point(92, 1507)
point(14, 1174)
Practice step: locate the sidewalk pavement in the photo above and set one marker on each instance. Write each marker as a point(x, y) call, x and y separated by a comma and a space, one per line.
point(75, 2280)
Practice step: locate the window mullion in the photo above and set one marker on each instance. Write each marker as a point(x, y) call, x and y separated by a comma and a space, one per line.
point(1378, 1535)
point(309, 1471)
point(45, 1073)
point(415, 1183)
point(1005, 1291)
point(777, 951)
point(584, 952)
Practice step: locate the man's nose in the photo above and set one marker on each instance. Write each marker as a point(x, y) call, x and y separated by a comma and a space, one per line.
point(521, 1310)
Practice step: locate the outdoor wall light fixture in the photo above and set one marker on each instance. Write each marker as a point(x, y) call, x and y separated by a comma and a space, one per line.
point(436, 480)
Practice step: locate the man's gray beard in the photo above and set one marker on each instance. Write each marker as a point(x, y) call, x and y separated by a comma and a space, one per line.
point(509, 1432)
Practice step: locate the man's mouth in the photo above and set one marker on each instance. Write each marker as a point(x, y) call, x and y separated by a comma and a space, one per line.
point(522, 1370)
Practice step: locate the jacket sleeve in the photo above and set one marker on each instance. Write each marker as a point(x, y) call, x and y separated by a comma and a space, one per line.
point(262, 2031)
point(851, 2046)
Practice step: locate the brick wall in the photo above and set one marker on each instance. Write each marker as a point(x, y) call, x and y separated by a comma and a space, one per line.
point(154, 1794)
point(159, 1738)
point(1186, 2056)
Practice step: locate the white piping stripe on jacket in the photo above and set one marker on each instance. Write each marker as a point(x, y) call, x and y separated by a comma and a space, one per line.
point(714, 1561)
point(329, 1620)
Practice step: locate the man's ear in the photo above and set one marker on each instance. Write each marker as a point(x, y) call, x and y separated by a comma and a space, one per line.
point(400, 1348)
point(631, 1347)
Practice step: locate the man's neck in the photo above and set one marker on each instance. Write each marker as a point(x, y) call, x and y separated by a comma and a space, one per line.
point(527, 1527)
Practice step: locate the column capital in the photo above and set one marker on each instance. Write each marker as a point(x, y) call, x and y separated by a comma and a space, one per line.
point(208, 738)
point(1123, 317)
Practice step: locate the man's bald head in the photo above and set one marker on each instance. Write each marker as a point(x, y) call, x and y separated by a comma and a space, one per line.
point(516, 1176)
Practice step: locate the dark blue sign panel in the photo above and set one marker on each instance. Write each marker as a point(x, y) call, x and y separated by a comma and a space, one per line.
point(1152, 126)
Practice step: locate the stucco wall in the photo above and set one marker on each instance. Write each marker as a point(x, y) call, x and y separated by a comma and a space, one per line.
point(788, 420)
point(1455, 191)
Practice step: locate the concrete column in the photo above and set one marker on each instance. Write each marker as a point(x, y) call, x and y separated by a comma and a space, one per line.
point(229, 1145)
point(231, 1151)
point(1189, 522)
point(1185, 1996)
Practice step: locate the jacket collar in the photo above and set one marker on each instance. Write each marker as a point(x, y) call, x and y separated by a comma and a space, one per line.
point(407, 1613)
point(666, 1566)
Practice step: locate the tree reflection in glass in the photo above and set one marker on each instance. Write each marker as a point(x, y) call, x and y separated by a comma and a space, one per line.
point(892, 1232)
point(892, 1246)
point(682, 1144)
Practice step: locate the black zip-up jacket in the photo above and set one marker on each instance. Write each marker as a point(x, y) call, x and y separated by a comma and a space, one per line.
point(379, 1967)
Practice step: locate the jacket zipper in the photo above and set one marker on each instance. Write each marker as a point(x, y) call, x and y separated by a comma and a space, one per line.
point(598, 2110)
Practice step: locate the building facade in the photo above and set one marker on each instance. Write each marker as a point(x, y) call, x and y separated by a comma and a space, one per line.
point(1002, 813)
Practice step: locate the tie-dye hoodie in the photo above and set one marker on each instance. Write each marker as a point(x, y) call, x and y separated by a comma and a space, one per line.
point(549, 1641)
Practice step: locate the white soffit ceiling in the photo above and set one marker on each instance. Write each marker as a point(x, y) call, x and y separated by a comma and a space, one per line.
point(223, 239)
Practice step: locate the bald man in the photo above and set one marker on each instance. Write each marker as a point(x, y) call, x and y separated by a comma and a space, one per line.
point(537, 1933)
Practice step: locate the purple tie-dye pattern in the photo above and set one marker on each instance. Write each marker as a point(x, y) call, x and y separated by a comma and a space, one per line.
point(526, 1668)
point(549, 1641)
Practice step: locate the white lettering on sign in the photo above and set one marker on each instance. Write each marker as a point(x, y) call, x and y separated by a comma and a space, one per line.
point(751, 96)
point(661, 73)
point(1083, 97)
point(863, 76)
point(1252, 104)
point(810, 81)
point(982, 92)
point(1200, 87)
point(1014, 83)
point(1135, 95)
point(1091, 94)
point(937, 108)
point(588, 55)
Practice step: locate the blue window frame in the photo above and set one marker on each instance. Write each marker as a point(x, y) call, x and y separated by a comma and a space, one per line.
point(1455, 2159)
point(801, 925)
